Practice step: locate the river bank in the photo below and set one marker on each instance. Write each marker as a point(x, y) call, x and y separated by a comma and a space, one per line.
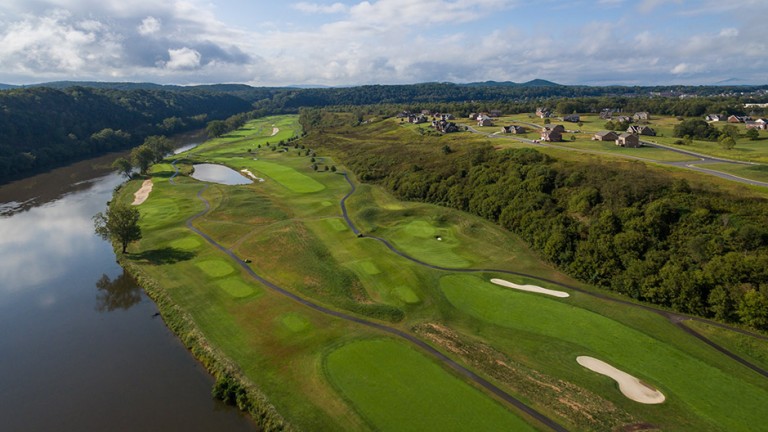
point(82, 347)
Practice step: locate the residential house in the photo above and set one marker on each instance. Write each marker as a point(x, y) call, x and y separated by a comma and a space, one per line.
point(624, 119)
point(552, 133)
point(445, 126)
point(543, 112)
point(484, 120)
point(628, 140)
point(446, 117)
point(760, 123)
point(417, 118)
point(641, 130)
point(715, 117)
point(495, 113)
point(739, 119)
point(513, 129)
point(573, 118)
point(641, 116)
point(606, 113)
point(605, 136)
point(473, 116)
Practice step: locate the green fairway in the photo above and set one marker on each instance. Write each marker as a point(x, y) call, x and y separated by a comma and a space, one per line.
point(187, 243)
point(324, 373)
point(576, 331)
point(215, 268)
point(286, 176)
point(396, 388)
point(236, 287)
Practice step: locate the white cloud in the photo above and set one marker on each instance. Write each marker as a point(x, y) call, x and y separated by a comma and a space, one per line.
point(182, 59)
point(680, 68)
point(374, 41)
point(149, 25)
point(318, 8)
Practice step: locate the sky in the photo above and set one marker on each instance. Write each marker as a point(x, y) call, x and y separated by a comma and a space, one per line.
point(342, 43)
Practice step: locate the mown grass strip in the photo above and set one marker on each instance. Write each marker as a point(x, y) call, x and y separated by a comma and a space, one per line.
point(398, 389)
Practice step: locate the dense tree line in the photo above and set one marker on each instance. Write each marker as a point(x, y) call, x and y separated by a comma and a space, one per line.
point(51, 125)
point(622, 226)
point(42, 128)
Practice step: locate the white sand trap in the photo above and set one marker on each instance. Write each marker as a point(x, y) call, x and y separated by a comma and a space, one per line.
point(142, 194)
point(630, 386)
point(275, 130)
point(250, 174)
point(530, 288)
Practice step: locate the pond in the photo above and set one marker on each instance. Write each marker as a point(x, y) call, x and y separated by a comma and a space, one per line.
point(219, 174)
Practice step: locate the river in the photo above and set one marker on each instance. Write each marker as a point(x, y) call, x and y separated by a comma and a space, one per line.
point(81, 347)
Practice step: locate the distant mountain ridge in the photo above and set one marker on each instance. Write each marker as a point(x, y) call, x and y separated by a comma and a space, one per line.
point(531, 83)
point(231, 88)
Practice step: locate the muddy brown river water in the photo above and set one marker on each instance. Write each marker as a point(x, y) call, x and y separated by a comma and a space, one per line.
point(80, 346)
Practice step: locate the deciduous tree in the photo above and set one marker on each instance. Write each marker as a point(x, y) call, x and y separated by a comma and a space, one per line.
point(123, 166)
point(120, 223)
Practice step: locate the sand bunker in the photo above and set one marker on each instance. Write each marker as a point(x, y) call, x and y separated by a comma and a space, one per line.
point(530, 288)
point(142, 194)
point(250, 174)
point(275, 130)
point(630, 386)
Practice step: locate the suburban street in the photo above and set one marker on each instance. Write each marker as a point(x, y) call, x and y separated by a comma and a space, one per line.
point(693, 165)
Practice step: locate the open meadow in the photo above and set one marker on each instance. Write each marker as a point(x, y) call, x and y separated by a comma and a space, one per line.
point(325, 322)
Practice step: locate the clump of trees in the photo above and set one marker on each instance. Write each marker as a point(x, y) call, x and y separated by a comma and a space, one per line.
point(153, 150)
point(624, 227)
point(696, 129)
point(217, 128)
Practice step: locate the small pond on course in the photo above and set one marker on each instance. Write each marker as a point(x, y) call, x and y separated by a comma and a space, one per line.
point(219, 174)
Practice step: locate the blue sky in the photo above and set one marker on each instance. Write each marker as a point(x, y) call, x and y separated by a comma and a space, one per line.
point(598, 42)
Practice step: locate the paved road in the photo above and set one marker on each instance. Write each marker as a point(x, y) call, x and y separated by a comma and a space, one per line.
point(693, 165)
point(702, 159)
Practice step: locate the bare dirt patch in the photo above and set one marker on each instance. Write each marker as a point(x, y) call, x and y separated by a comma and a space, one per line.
point(275, 130)
point(142, 194)
point(629, 386)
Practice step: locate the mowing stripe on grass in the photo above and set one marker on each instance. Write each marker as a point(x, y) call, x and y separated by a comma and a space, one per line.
point(630, 350)
point(287, 176)
point(399, 389)
point(459, 369)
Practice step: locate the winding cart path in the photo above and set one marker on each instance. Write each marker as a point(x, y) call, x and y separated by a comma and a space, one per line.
point(675, 318)
point(456, 367)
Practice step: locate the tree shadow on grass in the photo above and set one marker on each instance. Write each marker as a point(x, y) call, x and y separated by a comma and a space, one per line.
point(166, 255)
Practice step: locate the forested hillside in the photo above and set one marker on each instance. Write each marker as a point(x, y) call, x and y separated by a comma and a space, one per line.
point(623, 226)
point(42, 127)
point(56, 123)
